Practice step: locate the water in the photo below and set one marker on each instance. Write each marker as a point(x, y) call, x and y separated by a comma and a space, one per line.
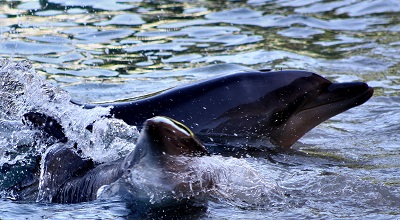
point(102, 51)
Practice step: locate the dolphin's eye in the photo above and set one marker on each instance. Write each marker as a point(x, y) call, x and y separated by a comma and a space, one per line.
point(280, 117)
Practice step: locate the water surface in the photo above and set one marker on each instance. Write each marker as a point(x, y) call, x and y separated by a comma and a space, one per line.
point(102, 51)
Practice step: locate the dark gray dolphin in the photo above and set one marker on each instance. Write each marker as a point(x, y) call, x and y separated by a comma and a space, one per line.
point(252, 106)
point(67, 177)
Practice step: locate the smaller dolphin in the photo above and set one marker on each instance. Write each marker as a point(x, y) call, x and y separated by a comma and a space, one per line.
point(157, 172)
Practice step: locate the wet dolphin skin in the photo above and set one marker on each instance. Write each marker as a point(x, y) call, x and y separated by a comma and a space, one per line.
point(277, 106)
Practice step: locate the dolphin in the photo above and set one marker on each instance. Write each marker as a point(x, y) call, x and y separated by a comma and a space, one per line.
point(275, 106)
point(158, 171)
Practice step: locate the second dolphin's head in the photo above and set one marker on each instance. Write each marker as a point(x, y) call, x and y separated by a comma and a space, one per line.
point(160, 170)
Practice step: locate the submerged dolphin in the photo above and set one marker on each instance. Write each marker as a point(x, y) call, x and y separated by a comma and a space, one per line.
point(278, 106)
point(154, 167)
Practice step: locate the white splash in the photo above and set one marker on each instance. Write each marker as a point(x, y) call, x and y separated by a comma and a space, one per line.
point(111, 139)
point(22, 90)
point(239, 183)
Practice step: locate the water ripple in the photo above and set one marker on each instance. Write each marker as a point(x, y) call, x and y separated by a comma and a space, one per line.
point(102, 36)
point(124, 19)
point(57, 60)
point(109, 5)
point(17, 47)
point(370, 7)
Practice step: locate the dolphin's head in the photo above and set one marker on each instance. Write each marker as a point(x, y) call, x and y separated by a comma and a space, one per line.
point(170, 137)
point(284, 106)
point(162, 137)
point(307, 102)
point(160, 170)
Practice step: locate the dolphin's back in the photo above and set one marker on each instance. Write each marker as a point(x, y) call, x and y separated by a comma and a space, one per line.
point(198, 104)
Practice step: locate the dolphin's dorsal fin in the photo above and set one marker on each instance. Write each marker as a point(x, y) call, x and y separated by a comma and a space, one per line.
point(47, 124)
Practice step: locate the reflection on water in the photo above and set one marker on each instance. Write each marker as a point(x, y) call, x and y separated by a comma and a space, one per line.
point(111, 50)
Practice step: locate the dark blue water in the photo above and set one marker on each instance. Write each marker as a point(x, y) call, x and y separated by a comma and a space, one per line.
point(346, 168)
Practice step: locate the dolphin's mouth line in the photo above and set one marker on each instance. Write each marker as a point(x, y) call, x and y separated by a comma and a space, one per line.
point(363, 97)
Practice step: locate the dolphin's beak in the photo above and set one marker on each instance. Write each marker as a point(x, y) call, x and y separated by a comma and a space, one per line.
point(334, 99)
point(340, 96)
